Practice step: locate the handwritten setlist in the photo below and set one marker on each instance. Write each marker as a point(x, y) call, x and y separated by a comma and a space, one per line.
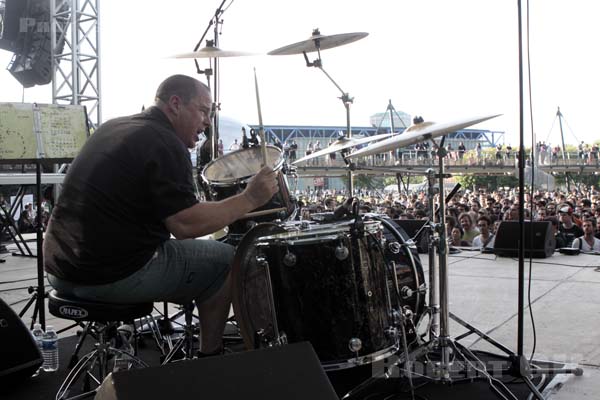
point(33, 131)
point(17, 140)
point(64, 130)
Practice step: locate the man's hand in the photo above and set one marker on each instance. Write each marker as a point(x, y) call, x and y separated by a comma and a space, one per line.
point(262, 187)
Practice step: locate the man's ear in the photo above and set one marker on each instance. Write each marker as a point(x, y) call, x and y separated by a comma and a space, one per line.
point(174, 104)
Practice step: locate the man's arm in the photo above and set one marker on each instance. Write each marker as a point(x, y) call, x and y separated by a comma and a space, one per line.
point(208, 217)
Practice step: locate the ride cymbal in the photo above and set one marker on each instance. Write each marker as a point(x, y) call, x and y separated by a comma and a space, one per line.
point(318, 42)
point(419, 133)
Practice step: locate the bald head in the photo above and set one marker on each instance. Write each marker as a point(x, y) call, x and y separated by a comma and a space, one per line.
point(183, 86)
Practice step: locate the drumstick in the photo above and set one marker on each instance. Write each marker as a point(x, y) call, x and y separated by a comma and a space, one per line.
point(264, 212)
point(261, 130)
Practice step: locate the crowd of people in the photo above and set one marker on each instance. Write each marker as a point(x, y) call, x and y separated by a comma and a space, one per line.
point(473, 218)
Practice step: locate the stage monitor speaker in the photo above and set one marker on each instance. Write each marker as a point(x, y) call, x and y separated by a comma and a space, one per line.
point(411, 227)
point(19, 355)
point(282, 372)
point(539, 239)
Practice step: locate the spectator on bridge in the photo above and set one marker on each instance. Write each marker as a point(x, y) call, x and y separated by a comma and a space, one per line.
point(234, 146)
point(508, 152)
point(461, 151)
point(293, 149)
point(499, 153)
point(594, 154)
point(581, 152)
point(555, 151)
point(315, 149)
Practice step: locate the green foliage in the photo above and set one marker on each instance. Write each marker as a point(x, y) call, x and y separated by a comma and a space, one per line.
point(489, 182)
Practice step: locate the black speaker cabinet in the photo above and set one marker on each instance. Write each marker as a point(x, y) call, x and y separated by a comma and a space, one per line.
point(539, 239)
point(19, 355)
point(283, 372)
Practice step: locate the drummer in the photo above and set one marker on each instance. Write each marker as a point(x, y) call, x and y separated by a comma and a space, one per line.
point(123, 228)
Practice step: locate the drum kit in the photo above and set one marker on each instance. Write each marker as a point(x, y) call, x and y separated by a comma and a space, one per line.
point(351, 284)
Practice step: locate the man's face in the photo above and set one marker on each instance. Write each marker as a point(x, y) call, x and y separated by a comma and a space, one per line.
point(541, 214)
point(192, 118)
point(483, 226)
point(588, 228)
point(564, 217)
point(465, 222)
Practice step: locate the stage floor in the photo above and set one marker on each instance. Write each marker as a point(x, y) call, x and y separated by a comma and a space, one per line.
point(565, 296)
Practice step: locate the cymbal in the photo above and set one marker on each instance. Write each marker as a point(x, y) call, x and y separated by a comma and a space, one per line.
point(341, 144)
point(419, 133)
point(318, 42)
point(212, 52)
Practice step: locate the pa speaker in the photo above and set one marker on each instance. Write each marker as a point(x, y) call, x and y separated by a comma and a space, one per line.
point(283, 372)
point(539, 239)
point(20, 355)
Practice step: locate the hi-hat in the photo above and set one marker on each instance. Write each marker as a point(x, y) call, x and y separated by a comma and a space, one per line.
point(212, 52)
point(318, 42)
point(419, 133)
point(341, 144)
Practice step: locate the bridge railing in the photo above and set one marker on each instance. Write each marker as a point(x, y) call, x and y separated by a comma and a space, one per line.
point(420, 158)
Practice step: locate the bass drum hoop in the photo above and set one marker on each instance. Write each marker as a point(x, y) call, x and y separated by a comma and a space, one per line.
point(419, 303)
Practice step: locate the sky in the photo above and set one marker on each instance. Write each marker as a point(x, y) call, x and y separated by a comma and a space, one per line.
point(439, 59)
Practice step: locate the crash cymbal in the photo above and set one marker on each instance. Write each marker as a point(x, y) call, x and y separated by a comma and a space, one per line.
point(419, 133)
point(318, 42)
point(212, 52)
point(340, 144)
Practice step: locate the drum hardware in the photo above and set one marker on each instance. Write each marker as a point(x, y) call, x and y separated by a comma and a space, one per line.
point(264, 265)
point(355, 345)
point(341, 252)
point(318, 42)
point(289, 260)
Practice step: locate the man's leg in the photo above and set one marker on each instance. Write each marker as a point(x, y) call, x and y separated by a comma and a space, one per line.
point(213, 313)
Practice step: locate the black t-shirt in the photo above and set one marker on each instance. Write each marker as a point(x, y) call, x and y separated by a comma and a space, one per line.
point(131, 174)
point(571, 233)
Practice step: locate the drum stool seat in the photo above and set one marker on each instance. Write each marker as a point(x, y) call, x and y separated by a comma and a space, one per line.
point(112, 350)
point(68, 307)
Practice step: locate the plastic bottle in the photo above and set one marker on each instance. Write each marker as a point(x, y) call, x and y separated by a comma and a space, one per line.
point(50, 349)
point(38, 335)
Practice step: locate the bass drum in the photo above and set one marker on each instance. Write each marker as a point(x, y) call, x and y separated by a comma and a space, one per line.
point(322, 283)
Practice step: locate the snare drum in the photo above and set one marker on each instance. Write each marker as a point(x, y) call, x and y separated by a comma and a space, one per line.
point(322, 283)
point(228, 175)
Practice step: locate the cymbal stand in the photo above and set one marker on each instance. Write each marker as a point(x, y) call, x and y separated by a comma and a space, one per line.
point(345, 97)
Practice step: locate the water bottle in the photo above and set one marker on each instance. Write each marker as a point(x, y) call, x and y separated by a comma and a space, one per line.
point(50, 350)
point(38, 335)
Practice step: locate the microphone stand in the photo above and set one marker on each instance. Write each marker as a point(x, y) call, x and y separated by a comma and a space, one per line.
point(213, 71)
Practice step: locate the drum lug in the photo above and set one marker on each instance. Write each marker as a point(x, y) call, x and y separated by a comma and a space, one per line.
point(392, 333)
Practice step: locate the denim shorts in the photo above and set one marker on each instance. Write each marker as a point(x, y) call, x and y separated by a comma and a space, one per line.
point(179, 271)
